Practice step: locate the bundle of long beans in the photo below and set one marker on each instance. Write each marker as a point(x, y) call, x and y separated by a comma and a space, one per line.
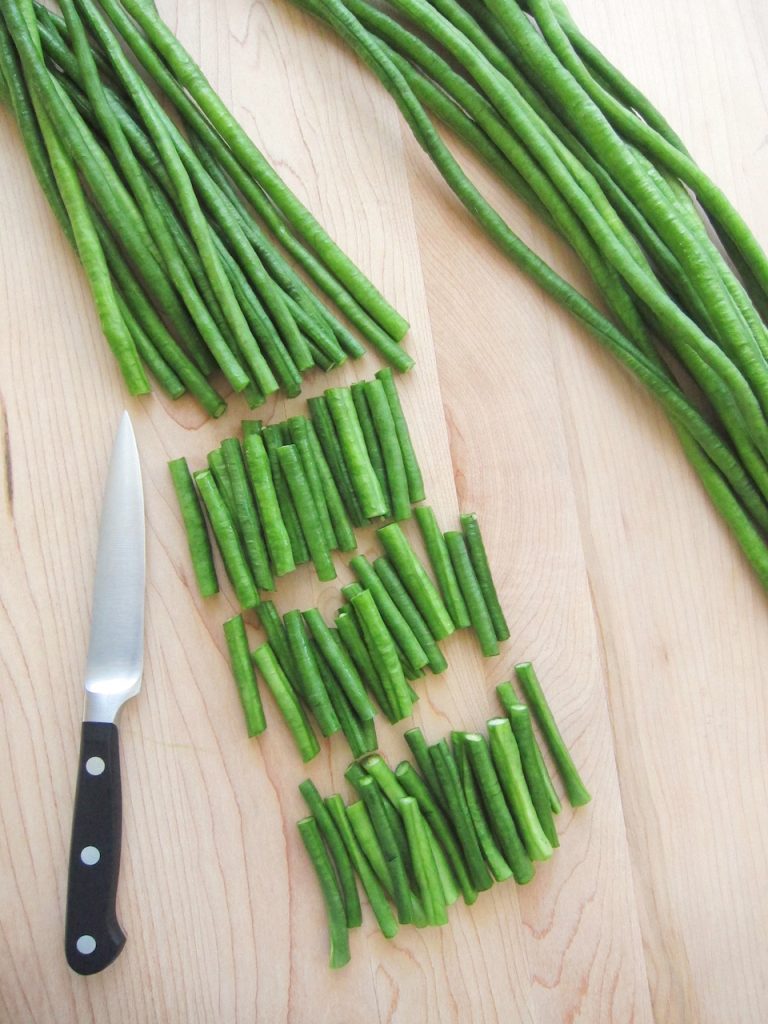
point(470, 813)
point(597, 162)
point(176, 228)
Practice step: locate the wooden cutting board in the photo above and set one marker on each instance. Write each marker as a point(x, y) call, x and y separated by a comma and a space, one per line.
point(620, 583)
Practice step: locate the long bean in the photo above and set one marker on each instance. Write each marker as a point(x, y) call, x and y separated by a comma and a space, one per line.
point(577, 792)
point(245, 677)
point(277, 637)
point(506, 760)
point(337, 850)
point(342, 526)
point(394, 587)
point(415, 786)
point(386, 431)
point(382, 650)
point(416, 581)
point(341, 664)
point(535, 775)
point(410, 462)
point(194, 523)
point(456, 807)
point(276, 536)
point(440, 560)
point(479, 560)
point(501, 819)
point(329, 442)
point(373, 890)
point(273, 441)
point(308, 677)
point(680, 411)
point(479, 614)
point(354, 642)
point(401, 891)
point(334, 902)
point(352, 442)
point(287, 702)
point(494, 858)
point(371, 438)
point(424, 862)
point(246, 515)
point(392, 615)
point(228, 541)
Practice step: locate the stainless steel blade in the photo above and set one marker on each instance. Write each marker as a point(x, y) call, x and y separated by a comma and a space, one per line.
point(116, 649)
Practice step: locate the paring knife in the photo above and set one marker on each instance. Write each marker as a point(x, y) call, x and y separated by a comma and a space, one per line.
point(93, 937)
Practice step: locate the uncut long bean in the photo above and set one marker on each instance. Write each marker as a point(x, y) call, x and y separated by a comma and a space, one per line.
point(679, 410)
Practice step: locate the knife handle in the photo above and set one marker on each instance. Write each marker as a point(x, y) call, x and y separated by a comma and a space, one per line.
point(93, 938)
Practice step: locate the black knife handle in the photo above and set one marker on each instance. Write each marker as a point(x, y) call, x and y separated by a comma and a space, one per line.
point(93, 938)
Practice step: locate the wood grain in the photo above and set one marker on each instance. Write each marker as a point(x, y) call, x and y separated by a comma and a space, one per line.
point(620, 581)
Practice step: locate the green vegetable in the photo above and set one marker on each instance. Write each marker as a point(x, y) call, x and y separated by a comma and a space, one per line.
point(472, 593)
point(424, 862)
point(277, 638)
point(394, 587)
point(535, 774)
point(354, 643)
point(337, 851)
point(440, 560)
point(414, 785)
point(395, 620)
point(273, 441)
point(228, 541)
point(329, 442)
point(416, 581)
point(455, 803)
point(502, 823)
point(287, 702)
point(298, 431)
point(373, 890)
point(308, 678)
point(371, 438)
point(410, 462)
point(374, 803)
point(340, 663)
point(355, 453)
point(577, 792)
point(382, 650)
point(494, 858)
point(506, 759)
point(334, 903)
point(246, 516)
point(482, 570)
point(306, 511)
point(242, 670)
point(194, 523)
point(342, 526)
point(276, 535)
point(386, 432)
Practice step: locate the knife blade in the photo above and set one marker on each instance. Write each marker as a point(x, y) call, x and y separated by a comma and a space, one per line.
point(93, 937)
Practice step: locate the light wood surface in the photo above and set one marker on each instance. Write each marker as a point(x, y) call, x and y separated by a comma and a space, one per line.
point(621, 584)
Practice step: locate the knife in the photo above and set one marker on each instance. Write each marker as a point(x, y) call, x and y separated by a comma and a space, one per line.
point(93, 937)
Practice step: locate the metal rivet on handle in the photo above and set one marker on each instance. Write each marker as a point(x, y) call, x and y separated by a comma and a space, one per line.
point(95, 765)
point(86, 944)
point(90, 855)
